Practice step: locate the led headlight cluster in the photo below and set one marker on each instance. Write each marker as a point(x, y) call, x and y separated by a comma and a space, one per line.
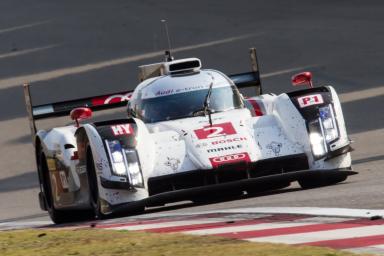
point(328, 120)
point(316, 138)
point(125, 162)
point(134, 171)
point(323, 131)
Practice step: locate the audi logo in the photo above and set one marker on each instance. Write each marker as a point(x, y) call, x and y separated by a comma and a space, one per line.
point(228, 158)
point(115, 97)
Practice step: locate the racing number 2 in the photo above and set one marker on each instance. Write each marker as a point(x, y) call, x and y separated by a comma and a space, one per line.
point(216, 130)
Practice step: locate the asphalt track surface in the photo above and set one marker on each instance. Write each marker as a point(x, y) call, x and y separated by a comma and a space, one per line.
point(70, 49)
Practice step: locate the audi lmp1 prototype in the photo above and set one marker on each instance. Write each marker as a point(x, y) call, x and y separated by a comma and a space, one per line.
point(188, 132)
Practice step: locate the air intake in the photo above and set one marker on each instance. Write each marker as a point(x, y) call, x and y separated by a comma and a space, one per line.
point(168, 68)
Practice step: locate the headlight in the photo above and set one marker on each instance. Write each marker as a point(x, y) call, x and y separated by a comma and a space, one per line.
point(125, 162)
point(317, 143)
point(134, 171)
point(316, 138)
point(117, 158)
point(327, 117)
point(323, 131)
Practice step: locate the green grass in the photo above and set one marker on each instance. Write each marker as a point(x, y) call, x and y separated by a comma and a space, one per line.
point(103, 242)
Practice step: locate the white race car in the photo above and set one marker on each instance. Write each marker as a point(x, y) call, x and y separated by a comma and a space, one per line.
point(188, 132)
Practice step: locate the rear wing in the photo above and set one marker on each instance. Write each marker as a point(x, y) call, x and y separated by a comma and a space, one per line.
point(249, 79)
point(57, 109)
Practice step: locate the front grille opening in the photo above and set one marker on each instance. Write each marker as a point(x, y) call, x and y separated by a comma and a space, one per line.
point(226, 173)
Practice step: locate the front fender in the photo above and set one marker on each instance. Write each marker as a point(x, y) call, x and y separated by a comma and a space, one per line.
point(96, 135)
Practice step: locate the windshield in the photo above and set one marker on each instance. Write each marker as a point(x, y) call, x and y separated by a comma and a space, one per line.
point(187, 104)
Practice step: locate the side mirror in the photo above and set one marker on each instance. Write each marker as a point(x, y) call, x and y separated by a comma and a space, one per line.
point(80, 114)
point(304, 78)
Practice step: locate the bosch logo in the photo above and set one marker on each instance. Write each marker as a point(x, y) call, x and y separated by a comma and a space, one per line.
point(224, 141)
point(229, 158)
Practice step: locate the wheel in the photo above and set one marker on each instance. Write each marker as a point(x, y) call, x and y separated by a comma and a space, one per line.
point(323, 180)
point(57, 216)
point(94, 198)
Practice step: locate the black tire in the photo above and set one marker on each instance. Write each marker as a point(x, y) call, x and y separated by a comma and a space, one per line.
point(57, 216)
point(94, 198)
point(323, 180)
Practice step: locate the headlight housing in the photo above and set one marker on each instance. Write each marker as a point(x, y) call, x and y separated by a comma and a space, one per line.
point(323, 131)
point(125, 162)
point(328, 121)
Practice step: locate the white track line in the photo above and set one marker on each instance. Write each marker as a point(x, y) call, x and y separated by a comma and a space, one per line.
point(262, 226)
point(172, 224)
point(317, 211)
point(285, 71)
point(309, 237)
point(44, 76)
point(372, 249)
point(23, 224)
point(26, 51)
point(4, 30)
point(361, 94)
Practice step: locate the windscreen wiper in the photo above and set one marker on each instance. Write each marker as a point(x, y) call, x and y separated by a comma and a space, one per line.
point(207, 103)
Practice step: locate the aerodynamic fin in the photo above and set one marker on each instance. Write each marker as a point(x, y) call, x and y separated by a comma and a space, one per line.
point(63, 108)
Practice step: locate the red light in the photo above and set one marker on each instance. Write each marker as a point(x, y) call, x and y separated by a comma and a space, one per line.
point(304, 78)
point(80, 114)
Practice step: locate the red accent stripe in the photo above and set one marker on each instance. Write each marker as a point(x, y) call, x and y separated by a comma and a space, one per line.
point(256, 107)
point(350, 242)
point(300, 229)
point(226, 224)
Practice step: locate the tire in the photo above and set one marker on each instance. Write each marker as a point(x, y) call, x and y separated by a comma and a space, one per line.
point(57, 216)
point(323, 180)
point(94, 197)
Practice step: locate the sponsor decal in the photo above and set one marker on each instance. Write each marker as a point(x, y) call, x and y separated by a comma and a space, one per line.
point(200, 145)
point(63, 179)
point(212, 150)
point(110, 99)
point(122, 129)
point(275, 147)
point(172, 91)
point(51, 163)
point(228, 159)
point(215, 130)
point(225, 141)
point(310, 100)
point(173, 163)
point(99, 166)
point(113, 196)
point(164, 93)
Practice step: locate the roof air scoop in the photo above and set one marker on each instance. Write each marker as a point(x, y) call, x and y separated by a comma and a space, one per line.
point(182, 65)
point(169, 68)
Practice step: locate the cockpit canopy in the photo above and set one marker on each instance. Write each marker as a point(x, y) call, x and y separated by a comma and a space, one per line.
point(173, 97)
